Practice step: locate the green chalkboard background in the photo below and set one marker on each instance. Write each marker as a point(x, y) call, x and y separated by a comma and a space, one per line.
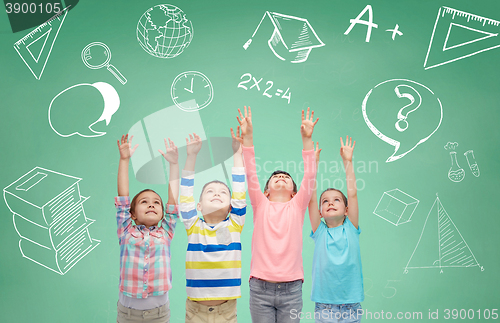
point(334, 81)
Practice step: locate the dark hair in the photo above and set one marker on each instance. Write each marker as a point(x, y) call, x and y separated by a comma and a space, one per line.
point(134, 200)
point(217, 182)
point(333, 189)
point(277, 172)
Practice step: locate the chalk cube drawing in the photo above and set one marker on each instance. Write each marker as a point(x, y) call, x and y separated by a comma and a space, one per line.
point(396, 207)
point(49, 217)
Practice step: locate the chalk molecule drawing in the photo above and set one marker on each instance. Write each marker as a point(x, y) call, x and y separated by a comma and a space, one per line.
point(441, 245)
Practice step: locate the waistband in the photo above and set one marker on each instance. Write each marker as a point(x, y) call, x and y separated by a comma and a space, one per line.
point(281, 286)
point(154, 312)
point(222, 308)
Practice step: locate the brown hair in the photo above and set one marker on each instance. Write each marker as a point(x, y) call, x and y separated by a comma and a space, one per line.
point(134, 200)
point(277, 172)
point(333, 189)
point(214, 181)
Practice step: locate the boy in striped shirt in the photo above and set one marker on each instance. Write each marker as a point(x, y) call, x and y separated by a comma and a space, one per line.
point(213, 258)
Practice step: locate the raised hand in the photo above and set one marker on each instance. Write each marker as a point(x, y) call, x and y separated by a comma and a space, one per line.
point(171, 153)
point(245, 122)
point(307, 127)
point(237, 141)
point(347, 149)
point(125, 147)
point(193, 144)
point(317, 152)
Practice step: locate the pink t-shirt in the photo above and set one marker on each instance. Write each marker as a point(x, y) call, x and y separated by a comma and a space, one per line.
point(277, 234)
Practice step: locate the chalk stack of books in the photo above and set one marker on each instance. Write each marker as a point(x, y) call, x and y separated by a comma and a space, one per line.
point(49, 217)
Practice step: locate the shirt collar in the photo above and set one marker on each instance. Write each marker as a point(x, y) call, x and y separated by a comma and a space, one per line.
point(137, 231)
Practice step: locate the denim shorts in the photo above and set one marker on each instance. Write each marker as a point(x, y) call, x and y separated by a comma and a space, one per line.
point(275, 302)
point(338, 313)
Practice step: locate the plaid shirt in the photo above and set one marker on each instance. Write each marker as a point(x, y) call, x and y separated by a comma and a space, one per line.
point(144, 252)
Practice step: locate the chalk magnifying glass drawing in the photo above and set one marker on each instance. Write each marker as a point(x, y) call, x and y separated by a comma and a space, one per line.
point(96, 55)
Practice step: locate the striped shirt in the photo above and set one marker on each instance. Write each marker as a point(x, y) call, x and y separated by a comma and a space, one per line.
point(213, 258)
point(144, 252)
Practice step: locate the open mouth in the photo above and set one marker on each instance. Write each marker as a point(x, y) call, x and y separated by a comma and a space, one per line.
point(151, 212)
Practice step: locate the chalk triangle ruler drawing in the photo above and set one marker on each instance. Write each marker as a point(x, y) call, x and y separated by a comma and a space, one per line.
point(459, 34)
point(441, 245)
point(35, 47)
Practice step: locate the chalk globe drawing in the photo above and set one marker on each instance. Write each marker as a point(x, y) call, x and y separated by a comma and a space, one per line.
point(163, 31)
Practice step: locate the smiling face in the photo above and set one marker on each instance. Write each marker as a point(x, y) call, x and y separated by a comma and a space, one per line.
point(332, 205)
point(215, 199)
point(280, 182)
point(147, 209)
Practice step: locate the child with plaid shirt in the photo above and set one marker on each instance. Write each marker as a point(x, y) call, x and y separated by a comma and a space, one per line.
point(145, 273)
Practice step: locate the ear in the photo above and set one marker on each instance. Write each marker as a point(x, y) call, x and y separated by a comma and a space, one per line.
point(293, 194)
point(198, 207)
point(133, 216)
point(346, 209)
point(266, 193)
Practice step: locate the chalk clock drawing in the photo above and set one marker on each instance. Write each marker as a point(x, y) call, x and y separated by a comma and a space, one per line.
point(192, 91)
point(441, 245)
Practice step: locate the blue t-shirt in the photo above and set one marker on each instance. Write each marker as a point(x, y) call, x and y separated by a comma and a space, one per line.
point(337, 276)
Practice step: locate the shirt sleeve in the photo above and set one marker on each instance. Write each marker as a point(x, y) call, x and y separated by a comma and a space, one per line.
point(308, 181)
point(187, 206)
point(238, 197)
point(254, 192)
point(321, 227)
point(169, 221)
point(123, 220)
point(352, 227)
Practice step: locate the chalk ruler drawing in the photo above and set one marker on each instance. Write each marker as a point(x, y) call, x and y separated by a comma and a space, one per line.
point(97, 55)
point(459, 34)
point(111, 105)
point(441, 245)
point(424, 109)
point(35, 47)
point(292, 37)
point(49, 217)
point(396, 207)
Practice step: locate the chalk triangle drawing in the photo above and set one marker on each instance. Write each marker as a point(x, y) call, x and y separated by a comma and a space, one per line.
point(471, 35)
point(35, 47)
point(441, 245)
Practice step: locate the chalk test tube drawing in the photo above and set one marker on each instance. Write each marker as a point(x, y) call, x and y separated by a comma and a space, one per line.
point(164, 31)
point(425, 109)
point(96, 55)
point(176, 124)
point(35, 47)
point(111, 105)
point(455, 173)
point(189, 88)
point(49, 217)
point(396, 207)
point(471, 160)
point(441, 245)
point(459, 34)
point(292, 37)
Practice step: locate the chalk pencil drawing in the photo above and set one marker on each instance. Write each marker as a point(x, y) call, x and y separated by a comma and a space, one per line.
point(424, 106)
point(292, 39)
point(458, 35)
point(63, 110)
point(396, 207)
point(97, 55)
point(49, 217)
point(163, 31)
point(35, 48)
point(441, 245)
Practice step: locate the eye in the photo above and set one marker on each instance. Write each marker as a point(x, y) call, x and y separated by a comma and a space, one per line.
point(224, 192)
point(325, 201)
point(143, 201)
point(157, 202)
point(337, 200)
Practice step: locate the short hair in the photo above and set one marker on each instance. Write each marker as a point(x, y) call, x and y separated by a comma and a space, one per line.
point(217, 182)
point(277, 172)
point(332, 189)
point(134, 200)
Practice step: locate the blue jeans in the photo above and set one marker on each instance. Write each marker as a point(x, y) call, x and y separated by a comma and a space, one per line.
point(338, 313)
point(275, 302)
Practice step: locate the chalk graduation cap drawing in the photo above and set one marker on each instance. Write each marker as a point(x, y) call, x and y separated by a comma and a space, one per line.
point(293, 38)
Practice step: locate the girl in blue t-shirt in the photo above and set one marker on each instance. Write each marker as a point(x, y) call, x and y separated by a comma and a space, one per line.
point(337, 277)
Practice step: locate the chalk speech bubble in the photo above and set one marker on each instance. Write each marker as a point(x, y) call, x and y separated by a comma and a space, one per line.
point(403, 113)
point(111, 105)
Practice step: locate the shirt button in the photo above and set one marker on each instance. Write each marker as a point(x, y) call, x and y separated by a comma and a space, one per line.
point(211, 309)
point(279, 286)
point(146, 269)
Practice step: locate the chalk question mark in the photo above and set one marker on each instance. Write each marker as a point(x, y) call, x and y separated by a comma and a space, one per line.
point(401, 125)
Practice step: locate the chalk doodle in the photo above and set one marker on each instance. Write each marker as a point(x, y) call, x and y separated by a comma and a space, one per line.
point(368, 23)
point(287, 94)
point(455, 173)
point(189, 88)
point(441, 245)
point(49, 217)
point(35, 47)
point(292, 39)
point(97, 55)
point(459, 34)
point(404, 131)
point(396, 207)
point(471, 160)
